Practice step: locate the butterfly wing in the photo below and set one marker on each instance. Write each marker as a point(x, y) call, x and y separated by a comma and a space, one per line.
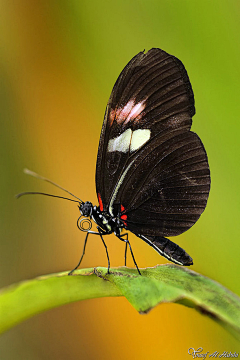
point(150, 166)
point(152, 94)
point(168, 249)
point(166, 190)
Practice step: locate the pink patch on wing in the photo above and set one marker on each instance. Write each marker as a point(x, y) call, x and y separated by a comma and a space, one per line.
point(130, 112)
point(122, 113)
point(112, 116)
point(135, 112)
point(124, 216)
point(100, 202)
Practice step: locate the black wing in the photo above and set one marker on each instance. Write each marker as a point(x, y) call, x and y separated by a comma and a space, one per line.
point(168, 249)
point(150, 165)
point(166, 189)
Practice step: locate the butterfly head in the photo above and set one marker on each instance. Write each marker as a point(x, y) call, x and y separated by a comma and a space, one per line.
point(86, 208)
point(84, 222)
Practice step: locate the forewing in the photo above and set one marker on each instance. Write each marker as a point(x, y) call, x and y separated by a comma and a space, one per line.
point(151, 98)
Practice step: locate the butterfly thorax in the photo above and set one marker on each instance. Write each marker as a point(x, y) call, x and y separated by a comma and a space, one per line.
point(104, 220)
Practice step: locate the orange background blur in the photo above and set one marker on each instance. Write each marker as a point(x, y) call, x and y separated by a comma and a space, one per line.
point(59, 61)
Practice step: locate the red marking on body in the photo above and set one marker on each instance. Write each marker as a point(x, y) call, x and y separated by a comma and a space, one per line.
point(124, 216)
point(100, 202)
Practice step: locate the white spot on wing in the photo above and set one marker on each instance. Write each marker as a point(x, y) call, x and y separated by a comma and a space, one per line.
point(129, 140)
point(139, 138)
point(121, 143)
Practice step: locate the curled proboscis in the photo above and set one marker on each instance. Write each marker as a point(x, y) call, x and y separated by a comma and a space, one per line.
point(84, 224)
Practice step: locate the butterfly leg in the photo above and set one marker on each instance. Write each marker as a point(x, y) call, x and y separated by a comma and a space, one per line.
point(84, 247)
point(126, 246)
point(101, 233)
point(125, 255)
point(129, 245)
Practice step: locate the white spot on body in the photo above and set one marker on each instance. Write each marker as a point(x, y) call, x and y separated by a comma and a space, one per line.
point(129, 140)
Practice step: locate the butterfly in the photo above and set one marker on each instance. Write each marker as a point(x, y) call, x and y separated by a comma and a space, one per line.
point(152, 172)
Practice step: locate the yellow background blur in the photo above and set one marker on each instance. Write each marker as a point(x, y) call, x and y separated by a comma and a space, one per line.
point(59, 61)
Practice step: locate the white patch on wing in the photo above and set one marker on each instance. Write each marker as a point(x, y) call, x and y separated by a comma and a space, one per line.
point(121, 143)
point(129, 140)
point(139, 138)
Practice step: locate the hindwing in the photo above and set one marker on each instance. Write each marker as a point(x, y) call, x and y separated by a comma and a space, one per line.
point(167, 187)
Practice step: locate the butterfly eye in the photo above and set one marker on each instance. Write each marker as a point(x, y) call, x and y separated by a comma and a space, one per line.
point(84, 224)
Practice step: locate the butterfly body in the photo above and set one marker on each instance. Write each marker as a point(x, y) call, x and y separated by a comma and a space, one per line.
point(106, 222)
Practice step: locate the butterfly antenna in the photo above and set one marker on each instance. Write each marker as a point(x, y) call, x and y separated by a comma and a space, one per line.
point(41, 193)
point(32, 173)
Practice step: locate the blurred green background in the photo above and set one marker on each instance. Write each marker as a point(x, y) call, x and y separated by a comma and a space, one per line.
point(59, 61)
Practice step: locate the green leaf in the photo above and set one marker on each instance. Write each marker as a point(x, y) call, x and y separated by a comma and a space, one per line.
point(21, 301)
point(163, 283)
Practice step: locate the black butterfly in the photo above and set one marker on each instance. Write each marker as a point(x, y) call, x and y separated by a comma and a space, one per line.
point(152, 174)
